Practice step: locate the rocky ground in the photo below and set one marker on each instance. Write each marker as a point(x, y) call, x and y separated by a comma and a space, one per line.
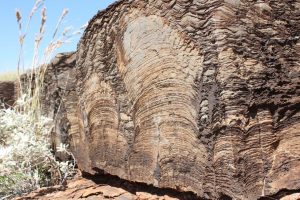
point(83, 188)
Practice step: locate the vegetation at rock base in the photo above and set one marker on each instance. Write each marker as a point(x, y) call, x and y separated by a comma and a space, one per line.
point(26, 159)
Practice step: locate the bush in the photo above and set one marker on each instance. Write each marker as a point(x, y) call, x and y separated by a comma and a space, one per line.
point(26, 159)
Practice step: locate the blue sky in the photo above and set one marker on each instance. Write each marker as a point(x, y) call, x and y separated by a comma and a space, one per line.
point(80, 11)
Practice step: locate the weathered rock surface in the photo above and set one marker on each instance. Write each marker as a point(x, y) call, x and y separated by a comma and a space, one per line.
point(88, 190)
point(200, 96)
point(7, 92)
point(109, 188)
point(59, 99)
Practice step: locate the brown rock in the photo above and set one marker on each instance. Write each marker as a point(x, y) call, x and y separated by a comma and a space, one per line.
point(197, 96)
point(107, 191)
point(145, 196)
point(8, 92)
point(88, 190)
point(295, 196)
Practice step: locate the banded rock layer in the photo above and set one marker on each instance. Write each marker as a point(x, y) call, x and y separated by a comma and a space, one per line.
point(200, 96)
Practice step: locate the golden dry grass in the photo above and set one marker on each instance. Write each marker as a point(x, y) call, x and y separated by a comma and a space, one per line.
point(8, 76)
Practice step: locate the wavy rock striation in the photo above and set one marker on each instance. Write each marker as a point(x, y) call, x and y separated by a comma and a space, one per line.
point(200, 96)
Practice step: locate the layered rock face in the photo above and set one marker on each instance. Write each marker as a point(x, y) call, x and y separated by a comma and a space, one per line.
point(200, 96)
point(59, 99)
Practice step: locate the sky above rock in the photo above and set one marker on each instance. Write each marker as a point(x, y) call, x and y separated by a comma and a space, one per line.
point(80, 12)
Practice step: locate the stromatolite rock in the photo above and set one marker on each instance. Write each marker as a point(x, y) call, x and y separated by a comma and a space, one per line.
point(200, 96)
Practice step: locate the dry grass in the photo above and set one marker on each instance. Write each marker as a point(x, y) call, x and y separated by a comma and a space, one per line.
point(40, 58)
point(9, 76)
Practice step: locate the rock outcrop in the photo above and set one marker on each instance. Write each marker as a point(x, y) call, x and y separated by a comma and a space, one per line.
point(200, 96)
point(59, 98)
point(7, 92)
point(197, 96)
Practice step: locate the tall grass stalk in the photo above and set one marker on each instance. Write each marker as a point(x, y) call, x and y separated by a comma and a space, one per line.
point(32, 86)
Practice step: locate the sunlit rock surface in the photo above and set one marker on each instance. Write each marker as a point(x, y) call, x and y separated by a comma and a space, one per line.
point(199, 96)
